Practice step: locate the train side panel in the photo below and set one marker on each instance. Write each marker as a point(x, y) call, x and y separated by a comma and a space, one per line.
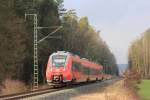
point(78, 72)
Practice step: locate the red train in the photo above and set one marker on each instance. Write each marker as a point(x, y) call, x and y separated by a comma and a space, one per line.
point(65, 67)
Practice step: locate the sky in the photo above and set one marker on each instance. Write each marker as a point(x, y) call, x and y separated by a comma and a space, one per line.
point(120, 21)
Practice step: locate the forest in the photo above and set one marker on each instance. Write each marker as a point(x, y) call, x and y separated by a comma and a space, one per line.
point(139, 55)
point(78, 37)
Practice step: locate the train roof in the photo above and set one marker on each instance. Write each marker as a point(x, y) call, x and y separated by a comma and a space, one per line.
point(60, 53)
point(64, 53)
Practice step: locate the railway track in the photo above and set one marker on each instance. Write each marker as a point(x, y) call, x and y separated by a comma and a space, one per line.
point(40, 91)
point(27, 94)
point(44, 91)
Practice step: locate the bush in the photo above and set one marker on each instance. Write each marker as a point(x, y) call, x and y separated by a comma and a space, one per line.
point(132, 78)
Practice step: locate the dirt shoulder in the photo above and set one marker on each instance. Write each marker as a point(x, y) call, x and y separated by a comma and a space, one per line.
point(115, 91)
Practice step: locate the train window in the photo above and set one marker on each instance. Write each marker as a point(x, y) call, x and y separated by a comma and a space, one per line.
point(59, 60)
point(101, 71)
point(93, 71)
point(86, 70)
point(76, 66)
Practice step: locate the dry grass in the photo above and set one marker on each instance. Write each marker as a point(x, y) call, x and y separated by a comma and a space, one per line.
point(43, 86)
point(13, 86)
point(116, 91)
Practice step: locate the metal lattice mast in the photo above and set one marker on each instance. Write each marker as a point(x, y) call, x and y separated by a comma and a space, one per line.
point(35, 53)
point(35, 43)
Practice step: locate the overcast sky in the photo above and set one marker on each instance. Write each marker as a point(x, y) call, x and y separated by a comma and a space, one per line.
point(120, 21)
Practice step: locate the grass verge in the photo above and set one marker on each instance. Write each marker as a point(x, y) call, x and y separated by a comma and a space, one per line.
point(144, 90)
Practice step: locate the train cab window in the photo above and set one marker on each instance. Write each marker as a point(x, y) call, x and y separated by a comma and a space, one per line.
point(59, 60)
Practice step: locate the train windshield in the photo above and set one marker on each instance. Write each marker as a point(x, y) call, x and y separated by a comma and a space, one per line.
point(59, 60)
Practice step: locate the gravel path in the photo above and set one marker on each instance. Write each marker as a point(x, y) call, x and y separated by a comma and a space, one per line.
point(116, 91)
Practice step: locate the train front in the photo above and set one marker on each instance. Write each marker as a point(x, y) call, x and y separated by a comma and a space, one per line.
point(58, 68)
